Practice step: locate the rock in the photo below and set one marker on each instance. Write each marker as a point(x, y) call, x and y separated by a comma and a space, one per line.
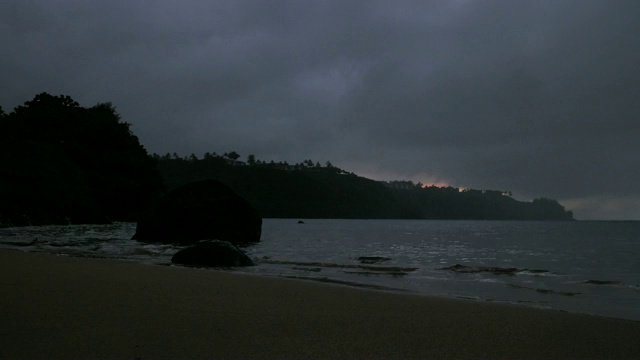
point(300, 222)
point(201, 210)
point(212, 253)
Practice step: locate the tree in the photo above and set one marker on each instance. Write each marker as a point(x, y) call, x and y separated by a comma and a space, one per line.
point(71, 163)
point(46, 102)
point(232, 155)
point(251, 159)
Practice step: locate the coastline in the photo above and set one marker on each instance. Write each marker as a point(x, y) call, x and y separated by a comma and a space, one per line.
point(66, 307)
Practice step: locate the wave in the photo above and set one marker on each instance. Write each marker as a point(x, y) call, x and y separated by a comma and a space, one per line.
point(311, 264)
point(343, 282)
point(545, 291)
point(602, 282)
point(463, 269)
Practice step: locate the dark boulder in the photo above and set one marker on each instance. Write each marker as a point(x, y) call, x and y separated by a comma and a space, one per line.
point(212, 253)
point(201, 210)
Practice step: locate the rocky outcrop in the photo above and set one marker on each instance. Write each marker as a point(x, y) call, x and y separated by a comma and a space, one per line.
point(202, 210)
point(212, 253)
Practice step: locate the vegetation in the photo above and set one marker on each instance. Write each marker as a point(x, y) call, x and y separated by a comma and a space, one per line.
point(303, 190)
point(310, 190)
point(62, 163)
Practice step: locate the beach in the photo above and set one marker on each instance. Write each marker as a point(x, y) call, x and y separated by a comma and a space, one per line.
point(75, 308)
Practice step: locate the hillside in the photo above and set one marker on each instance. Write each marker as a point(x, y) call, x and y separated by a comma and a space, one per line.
point(312, 191)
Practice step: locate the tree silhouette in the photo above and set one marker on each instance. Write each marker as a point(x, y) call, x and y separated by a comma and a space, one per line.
point(232, 155)
point(71, 163)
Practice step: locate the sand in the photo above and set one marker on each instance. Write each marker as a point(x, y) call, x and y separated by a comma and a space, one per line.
point(78, 308)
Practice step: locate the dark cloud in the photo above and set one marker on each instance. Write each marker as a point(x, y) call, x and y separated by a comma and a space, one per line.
point(538, 97)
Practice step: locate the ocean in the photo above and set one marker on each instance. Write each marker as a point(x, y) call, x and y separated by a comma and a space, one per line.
point(589, 267)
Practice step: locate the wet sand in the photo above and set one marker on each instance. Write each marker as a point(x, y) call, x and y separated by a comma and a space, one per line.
point(73, 308)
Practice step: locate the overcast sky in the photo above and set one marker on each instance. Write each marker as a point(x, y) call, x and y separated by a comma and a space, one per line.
point(539, 97)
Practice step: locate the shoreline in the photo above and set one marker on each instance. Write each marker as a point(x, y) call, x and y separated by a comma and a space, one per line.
point(66, 307)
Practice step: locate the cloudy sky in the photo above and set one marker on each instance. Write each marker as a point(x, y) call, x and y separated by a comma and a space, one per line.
point(539, 97)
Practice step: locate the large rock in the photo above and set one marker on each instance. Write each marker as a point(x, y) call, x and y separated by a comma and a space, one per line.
point(212, 253)
point(202, 210)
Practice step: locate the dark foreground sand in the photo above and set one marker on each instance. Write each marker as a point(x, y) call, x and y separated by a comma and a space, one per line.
point(62, 307)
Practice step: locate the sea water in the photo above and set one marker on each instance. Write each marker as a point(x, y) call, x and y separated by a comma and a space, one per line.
point(590, 267)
